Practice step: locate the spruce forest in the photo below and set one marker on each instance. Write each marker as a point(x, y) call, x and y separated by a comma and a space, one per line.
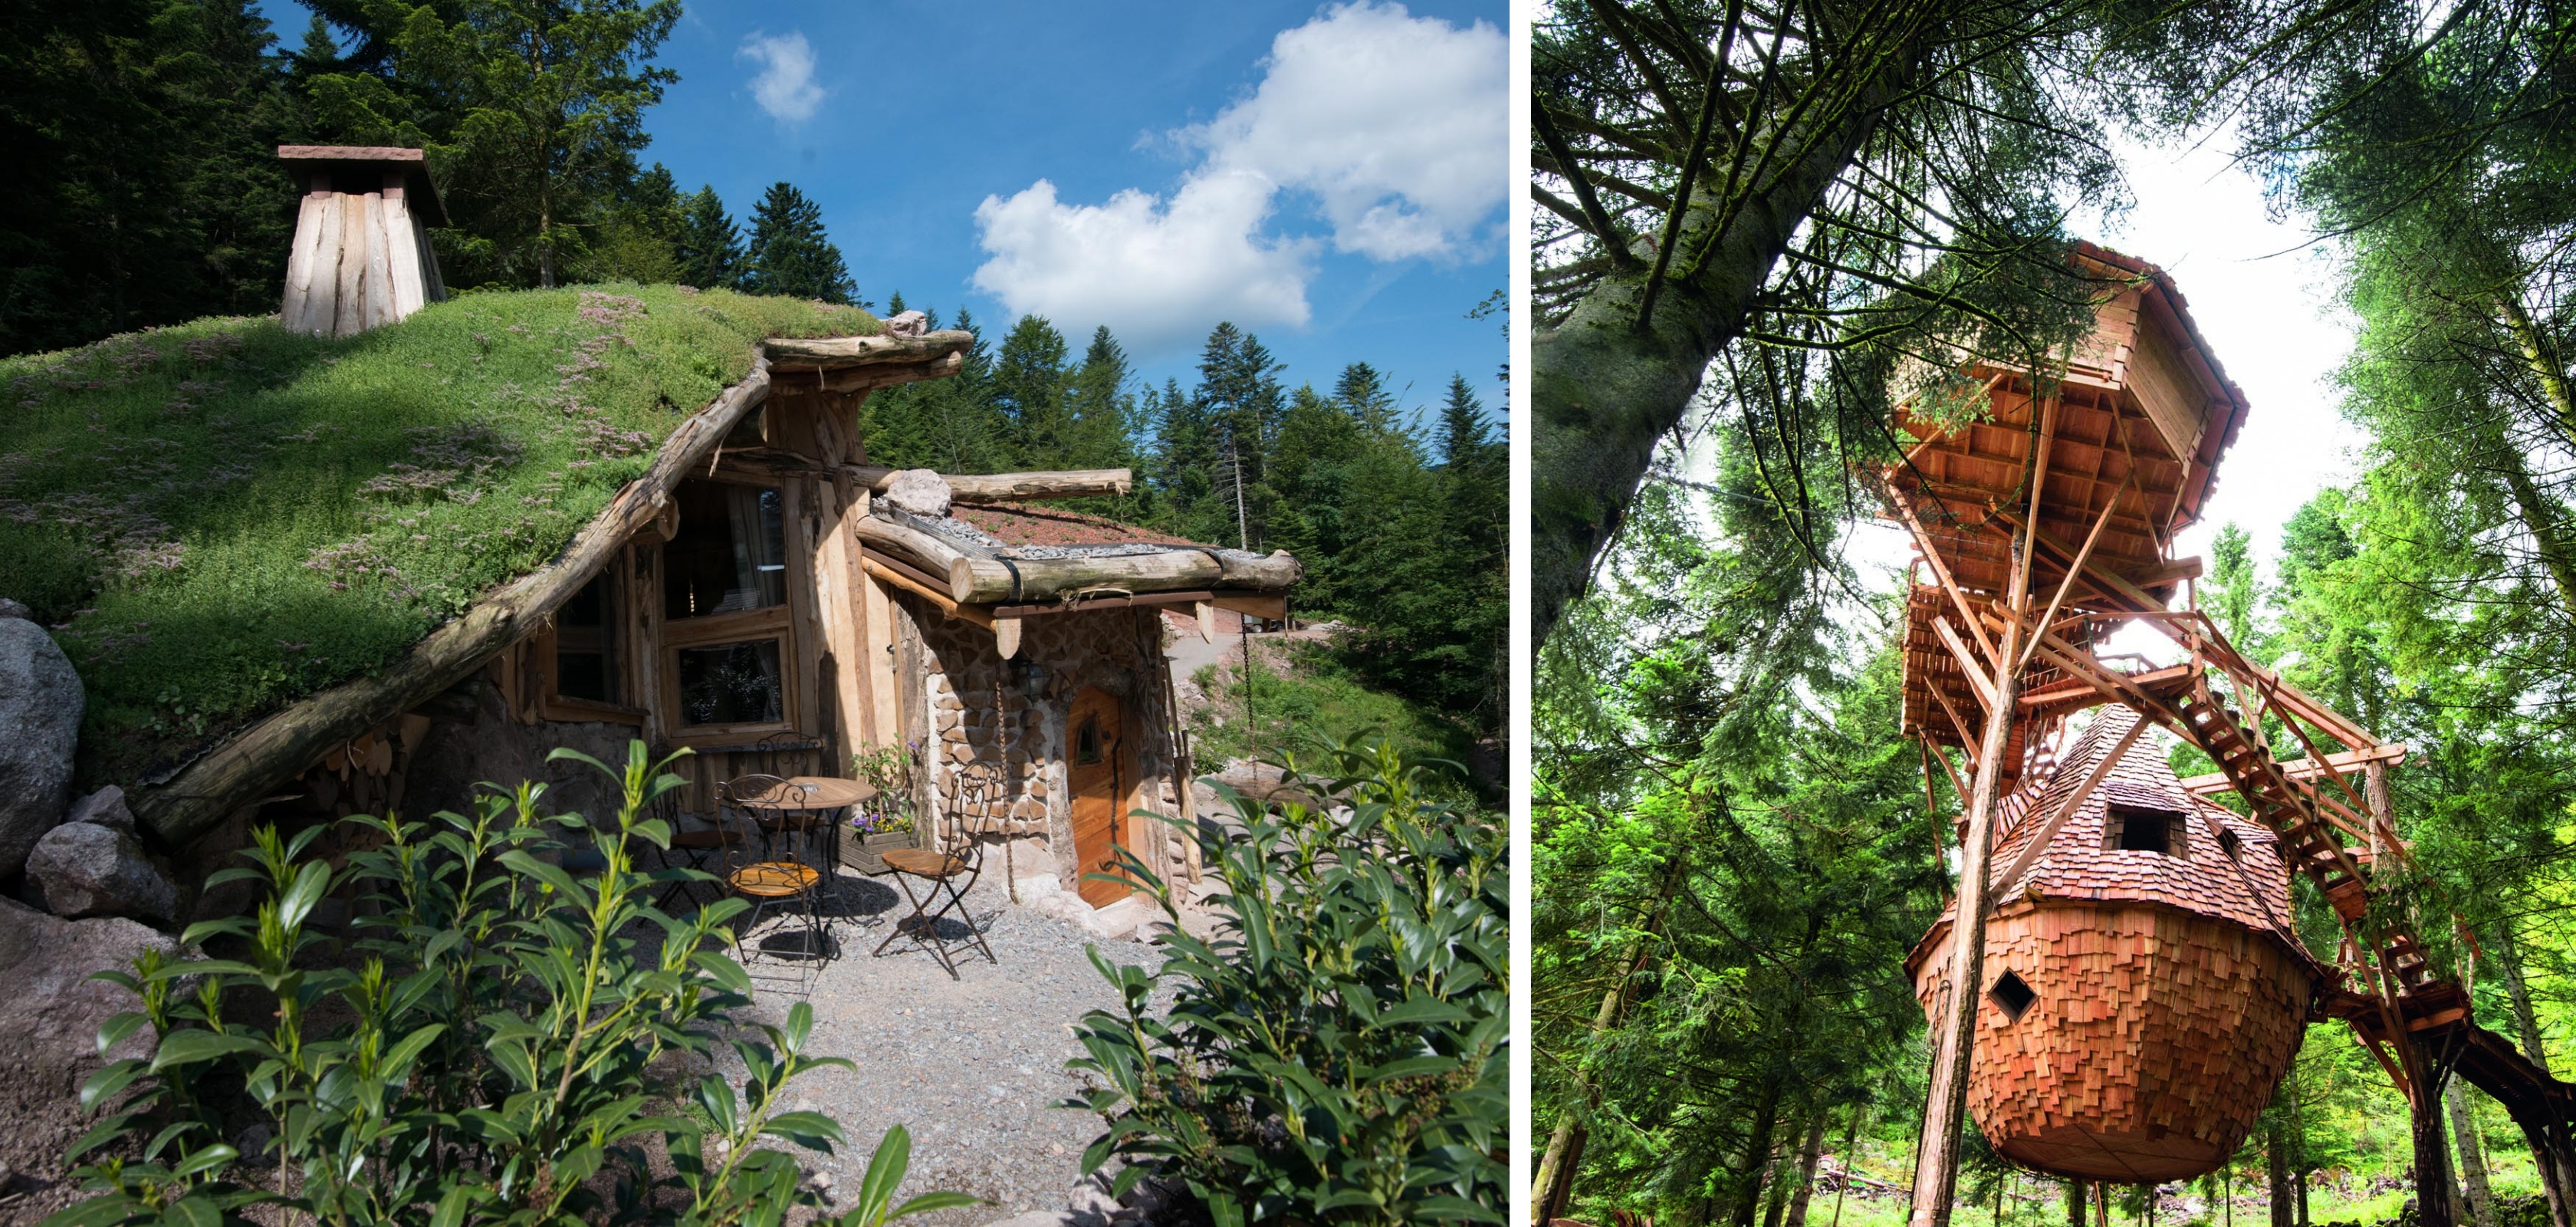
point(1758, 227)
point(149, 193)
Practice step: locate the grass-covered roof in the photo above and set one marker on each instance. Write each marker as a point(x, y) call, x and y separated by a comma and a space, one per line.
point(221, 517)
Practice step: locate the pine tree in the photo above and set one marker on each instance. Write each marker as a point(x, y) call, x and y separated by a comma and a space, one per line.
point(1028, 388)
point(641, 239)
point(141, 136)
point(532, 115)
point(709, 249)
point(1362, 393)
point(790, 254)
point(1100, 416)
point(1239, 400)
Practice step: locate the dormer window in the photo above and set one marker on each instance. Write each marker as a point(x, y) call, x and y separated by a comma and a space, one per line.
point(2143, 828)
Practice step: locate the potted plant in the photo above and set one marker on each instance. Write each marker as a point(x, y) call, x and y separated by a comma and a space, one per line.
point(888, 821)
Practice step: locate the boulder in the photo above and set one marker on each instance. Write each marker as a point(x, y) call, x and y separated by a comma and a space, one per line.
point(923, 492)
point(51, 1015)
point(83, 869)
point(907, 324)
point(106, 808)
point(40, 715)
point(12, 609)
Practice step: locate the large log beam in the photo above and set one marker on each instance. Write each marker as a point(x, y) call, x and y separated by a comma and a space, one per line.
point(250, 763)
point(1010, 487)
point(978, 581)
point(974, 580)
point(887, 375)
point(808, 354)
point(2306, 768)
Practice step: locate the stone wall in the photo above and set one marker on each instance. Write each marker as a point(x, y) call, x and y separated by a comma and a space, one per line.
point(1016, 788)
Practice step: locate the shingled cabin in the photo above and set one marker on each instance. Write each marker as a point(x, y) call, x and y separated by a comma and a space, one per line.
point(752, 588)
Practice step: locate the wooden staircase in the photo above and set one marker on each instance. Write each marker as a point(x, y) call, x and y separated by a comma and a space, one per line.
point(2398, 970)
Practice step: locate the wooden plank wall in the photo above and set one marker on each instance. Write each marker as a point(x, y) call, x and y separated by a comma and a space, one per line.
point(2156, 1039)
point(358, 260)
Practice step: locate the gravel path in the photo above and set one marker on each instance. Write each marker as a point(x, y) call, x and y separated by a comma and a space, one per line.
point(973, 1066)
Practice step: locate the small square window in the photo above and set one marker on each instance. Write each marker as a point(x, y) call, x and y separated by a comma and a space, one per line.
point(730, 683)
point(1086, 743)
point(2011, 996)
point(2139, 828)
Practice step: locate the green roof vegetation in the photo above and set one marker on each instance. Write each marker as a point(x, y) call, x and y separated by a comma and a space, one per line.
point(220, 517)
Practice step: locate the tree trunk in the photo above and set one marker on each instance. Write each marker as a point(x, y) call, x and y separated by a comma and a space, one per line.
point(2276, 1164)
point(2542, 359)
point(1556, 1173)
point(2434, 1193)
point(2075, 1204)
point(1553, 1189)
point(1776, 1201)
point(1807, 1160)
point(2548, 1143)
point(2540, 519)
point(1604, 389)
point(2473, 1157)
point(1936, 1166)
point(1757, 1155)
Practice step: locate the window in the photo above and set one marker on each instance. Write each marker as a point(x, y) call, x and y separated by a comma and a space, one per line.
point(586, 655)
point(731, 683)
point(2140, 828)
point(2011, 996)
point(726, 638)
point(577, 667)
point(1086, 743)
point(730, 555)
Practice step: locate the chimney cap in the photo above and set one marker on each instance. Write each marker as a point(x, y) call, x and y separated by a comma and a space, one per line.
point(419, 192)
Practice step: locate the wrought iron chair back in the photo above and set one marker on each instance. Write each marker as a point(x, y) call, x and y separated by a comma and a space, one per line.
point(947, 869)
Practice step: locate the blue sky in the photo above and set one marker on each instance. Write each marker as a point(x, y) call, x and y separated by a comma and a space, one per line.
point(1330, 177)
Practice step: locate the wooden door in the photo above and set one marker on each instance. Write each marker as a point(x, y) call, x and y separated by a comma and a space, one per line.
point(1095, 740)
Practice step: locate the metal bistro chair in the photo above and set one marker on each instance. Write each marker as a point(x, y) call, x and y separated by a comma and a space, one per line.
point(952, 873)
point(769, 884)
point(709, 851)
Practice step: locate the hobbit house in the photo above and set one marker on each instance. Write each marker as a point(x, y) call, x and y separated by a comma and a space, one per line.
point(720, 570)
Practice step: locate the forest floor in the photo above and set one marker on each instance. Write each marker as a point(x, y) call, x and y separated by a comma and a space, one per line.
point(2035, 1201)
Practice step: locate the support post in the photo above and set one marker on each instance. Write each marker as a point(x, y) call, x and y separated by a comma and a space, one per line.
point(1936, 1169)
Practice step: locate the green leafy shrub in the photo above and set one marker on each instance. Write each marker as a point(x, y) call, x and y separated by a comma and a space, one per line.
point(1338, 1054)
point(500, 1053)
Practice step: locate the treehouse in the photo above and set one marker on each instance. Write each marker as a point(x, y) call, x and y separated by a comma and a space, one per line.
point(2144, 992)
point(2123, 450)
point(766, 598)
point(2138, 992)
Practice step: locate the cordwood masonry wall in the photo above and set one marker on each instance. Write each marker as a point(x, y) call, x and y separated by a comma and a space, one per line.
point(1016, 788)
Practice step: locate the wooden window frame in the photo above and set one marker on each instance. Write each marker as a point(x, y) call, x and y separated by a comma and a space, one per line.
point(553, 706)
point(776, 622)
point(2115, 823)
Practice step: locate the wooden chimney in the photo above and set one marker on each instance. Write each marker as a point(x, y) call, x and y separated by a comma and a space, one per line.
point(361, 255)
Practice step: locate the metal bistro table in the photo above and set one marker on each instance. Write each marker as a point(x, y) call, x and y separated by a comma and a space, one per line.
point(812, 807)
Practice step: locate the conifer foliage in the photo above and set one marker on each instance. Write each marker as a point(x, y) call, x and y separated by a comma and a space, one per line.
point(1396, 511)
point(789, 253)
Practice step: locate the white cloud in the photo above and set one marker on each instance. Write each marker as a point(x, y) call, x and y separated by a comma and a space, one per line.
point(1393, 124)
point(784, 86)
point(1157, 272)
point(1396, 124)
